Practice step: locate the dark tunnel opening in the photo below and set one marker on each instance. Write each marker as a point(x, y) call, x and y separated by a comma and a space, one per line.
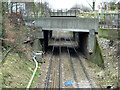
point(80, 37)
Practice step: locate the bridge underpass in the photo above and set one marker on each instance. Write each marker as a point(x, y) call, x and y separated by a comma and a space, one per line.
point(63, 40)
point(83, 40)
point(84, 28)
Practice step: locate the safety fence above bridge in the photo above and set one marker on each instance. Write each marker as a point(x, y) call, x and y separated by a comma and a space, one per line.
point(109, 20)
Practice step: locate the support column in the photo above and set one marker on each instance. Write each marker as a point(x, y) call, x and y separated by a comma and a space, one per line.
point(73, 35)
point(46, 40)
point(91, 42)
point(50, 34)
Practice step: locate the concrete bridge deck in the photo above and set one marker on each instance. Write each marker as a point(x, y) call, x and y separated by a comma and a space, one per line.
point(73, 30)
point(68, 23)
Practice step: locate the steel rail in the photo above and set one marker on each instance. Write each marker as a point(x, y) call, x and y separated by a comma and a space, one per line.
point(60, 79)
point(50, 65)
point(74, 74)
point(84, 69)
point(53, 75)
point(55, 71)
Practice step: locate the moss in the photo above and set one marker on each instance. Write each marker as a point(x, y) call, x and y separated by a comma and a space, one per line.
point(111, 34)
point(97, 55)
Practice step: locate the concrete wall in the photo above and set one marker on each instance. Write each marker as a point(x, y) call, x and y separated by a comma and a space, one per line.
point(38, 33)
point(67, 23)
point(87, 42)
point(96, 57)
point(37, 46)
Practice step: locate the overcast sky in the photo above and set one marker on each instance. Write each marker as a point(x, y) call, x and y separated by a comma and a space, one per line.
point(63, 4)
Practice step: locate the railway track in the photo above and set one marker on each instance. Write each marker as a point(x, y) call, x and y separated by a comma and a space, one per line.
point(74, 74)
point(53, 79)
point(60, 73)
point(54, 75)
point(81, 63)
point(50, 66)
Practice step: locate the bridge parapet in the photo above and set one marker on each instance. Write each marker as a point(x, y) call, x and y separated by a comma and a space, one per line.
point(68, 23)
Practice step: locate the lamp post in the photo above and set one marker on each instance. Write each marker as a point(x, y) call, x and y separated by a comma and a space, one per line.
point(41, 7)
point(93, 5)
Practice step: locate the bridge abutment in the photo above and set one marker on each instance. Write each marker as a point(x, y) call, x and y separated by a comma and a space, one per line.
point(73, 35)
point(96, 57)
point(89, 46)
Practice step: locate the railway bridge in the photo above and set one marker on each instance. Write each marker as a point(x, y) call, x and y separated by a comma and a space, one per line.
point(85, 27)
point(86, 30)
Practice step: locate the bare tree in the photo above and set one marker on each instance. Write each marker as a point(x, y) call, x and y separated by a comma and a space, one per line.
point(43, 7)
point(92, 5)
point(11, 7)
point(28, 5)
point(79, 7)
point(85, 8)
point(76, 6)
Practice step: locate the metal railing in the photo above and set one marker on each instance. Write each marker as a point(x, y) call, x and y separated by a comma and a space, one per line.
point(109, 20)
point(64, 12)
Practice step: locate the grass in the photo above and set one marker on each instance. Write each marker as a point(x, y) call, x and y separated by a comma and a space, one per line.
point(35, 77)
point(17, 66)
point(111, 34)
point(95, 15)
point(86, 15)
point(16, 72)
point(110, 75)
